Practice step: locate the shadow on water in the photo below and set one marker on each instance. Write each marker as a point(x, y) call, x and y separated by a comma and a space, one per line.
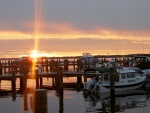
point(100, 103)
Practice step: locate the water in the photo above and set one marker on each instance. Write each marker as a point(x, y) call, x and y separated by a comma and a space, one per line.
point(74, 101)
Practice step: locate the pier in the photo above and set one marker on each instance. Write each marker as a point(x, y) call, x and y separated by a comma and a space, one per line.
point(55, 68)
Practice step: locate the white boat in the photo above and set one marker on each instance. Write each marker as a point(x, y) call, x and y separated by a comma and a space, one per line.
point(88, 61)
point(142, 62)
point(125, 79)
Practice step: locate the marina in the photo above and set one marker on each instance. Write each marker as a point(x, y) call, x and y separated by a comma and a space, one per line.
point(25, 80)
point(74, 56)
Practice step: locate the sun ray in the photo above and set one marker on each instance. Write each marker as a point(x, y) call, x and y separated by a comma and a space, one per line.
point(37, 21)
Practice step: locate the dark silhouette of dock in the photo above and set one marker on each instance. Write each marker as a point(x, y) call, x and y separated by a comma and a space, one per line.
point(52, 67)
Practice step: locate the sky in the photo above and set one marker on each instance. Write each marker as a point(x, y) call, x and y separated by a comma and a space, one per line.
point(71, 27)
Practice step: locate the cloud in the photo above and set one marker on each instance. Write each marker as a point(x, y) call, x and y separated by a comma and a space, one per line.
point(73, 47)
point(63, 26)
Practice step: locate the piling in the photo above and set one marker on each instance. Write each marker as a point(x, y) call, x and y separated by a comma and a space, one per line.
point(61, 102)
point(40, 72)
point(37, 79)
point(85, 77)
point(46, 65)
point(13, 85)
point(9, 67)
point(40, 101)
point(1, 68)
point(79, 81)
point(26, 108)
point(60, 78)
point(23, 81)
point(112, 90)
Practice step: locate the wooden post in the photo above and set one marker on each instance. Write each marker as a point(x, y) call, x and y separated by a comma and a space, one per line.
point(60, 79)
point(26, 108)
point(9, 67)
point(5, 67)
point(61, 101)
point(23, 81)
point(112, 90)
point(85, 77)
point(46, 66)
point(1, 68)
point(21, 84)
point(74, 65)
point(41, 82)
point(40, 101)
point(37, 79)
point(53, 82)
point(13, 85)
point(42, 66)
point(79, 81)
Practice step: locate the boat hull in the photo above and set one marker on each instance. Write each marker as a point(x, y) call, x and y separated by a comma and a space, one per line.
point(105, 87)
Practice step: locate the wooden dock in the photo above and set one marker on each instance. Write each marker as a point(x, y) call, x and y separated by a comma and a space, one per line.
point(11, 69)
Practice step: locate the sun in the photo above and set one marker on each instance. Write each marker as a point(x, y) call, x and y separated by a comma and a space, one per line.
point(34, 54)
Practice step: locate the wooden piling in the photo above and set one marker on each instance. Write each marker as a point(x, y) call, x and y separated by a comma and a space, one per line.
point(61, 101)
point(41, 82)
point(40, 101)
point(46, 66)
point(112, 90)
point(5, 67)
point(60, 78)
point(13, 85)
point(79, 82)
point(37, 79)
point(79, 79)
point(9, 65)
point(85, 77)
point(26, 108)
point(1, 68)
point(23, 81)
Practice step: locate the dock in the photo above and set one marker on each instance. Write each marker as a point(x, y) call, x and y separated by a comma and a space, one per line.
point(11, 69)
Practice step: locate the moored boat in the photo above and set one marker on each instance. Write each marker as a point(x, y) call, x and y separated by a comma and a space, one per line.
point(124, 79)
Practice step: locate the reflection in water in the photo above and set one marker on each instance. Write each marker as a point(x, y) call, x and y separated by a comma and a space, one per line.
point(60, 94)
point(63, 102)
point(124, 100)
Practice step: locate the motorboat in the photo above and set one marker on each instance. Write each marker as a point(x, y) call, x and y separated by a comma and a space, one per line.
point(125, 79)
point(142, 62)
point(88, 60)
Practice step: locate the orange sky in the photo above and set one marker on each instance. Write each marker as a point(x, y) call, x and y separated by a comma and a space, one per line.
point(62, 30)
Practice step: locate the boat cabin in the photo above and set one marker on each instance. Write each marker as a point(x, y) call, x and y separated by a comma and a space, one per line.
point(123, 75)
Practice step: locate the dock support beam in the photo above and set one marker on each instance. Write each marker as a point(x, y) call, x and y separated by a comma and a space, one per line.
point(112, 90)
point(37, 80)
point(23, 81)
point(13, 85)
point(85, 77)
point(60, 79)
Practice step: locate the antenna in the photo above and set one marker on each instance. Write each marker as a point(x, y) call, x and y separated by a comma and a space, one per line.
point(143, 45)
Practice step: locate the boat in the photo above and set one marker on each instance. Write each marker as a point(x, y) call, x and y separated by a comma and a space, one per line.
point(87, 61)
point(125, 79)
point(142, 62)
